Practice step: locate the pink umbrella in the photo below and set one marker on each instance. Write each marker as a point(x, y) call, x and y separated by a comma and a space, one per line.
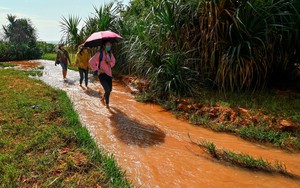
point(97, 38)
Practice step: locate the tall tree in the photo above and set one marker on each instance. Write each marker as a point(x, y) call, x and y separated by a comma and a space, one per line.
point(20, 31)
point(21, 40)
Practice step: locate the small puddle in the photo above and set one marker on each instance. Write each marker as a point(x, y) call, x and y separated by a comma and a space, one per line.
point(153, 146)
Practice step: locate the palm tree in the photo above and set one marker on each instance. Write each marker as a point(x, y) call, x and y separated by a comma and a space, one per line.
point(103, 19)
point(72, 35)
point(21, 40)
point(20, 31)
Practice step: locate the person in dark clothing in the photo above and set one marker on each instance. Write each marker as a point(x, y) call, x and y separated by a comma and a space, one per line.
point(103, 61)
point(63, 58)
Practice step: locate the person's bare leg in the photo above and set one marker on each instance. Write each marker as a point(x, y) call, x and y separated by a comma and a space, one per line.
point(102, 100)
point(65, 74)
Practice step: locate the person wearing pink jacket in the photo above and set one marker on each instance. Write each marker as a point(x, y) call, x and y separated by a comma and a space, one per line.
point(102, 62)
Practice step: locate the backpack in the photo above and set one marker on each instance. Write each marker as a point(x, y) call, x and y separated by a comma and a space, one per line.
point(95, 73)
point(61, 57)
point(64, 57)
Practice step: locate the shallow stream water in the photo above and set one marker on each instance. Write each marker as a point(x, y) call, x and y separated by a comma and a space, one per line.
point(155, 148)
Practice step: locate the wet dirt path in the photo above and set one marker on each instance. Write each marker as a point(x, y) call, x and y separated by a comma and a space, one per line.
point(153, 146)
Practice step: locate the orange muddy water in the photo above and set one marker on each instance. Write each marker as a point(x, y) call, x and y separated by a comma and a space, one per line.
point(154, 147)
point(25, 65)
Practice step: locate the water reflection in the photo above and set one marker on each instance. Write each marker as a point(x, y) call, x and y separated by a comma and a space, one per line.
point(133, 132)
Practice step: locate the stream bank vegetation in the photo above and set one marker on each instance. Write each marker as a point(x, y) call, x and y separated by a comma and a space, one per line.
point(227, 65)
point(243, 160)
point(43, 144)
point(270, 117)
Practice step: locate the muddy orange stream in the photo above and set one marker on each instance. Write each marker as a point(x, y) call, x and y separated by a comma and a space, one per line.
point(154, 147)
point(25, 65)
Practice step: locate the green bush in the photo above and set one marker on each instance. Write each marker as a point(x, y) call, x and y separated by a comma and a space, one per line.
point(12, 52)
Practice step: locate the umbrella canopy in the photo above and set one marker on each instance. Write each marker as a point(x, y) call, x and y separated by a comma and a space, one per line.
point(97, 38)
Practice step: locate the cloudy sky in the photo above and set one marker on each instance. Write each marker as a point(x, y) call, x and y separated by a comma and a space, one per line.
point(45, 15)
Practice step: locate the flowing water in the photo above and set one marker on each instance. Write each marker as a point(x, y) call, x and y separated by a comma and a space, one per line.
point(154, 147)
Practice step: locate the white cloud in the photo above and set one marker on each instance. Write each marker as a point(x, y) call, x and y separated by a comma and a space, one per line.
point(48, 30)
point(4, 8)
point(3, 17)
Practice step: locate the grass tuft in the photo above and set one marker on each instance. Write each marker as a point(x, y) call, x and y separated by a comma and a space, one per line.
point(242, 160)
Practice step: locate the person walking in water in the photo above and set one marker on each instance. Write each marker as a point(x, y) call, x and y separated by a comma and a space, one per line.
point(82, 62)
point(103, 61)
point(63, 58)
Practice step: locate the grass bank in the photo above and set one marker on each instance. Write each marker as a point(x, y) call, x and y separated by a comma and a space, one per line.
point(43, 144)
point(270, 117)
point(5, 65)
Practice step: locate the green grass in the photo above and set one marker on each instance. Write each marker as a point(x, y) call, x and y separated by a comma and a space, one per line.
point(34, 73)
point(272, 102)
point(72, 67)
point(259, 133)
point(247, 161)
point(263, 135)
point(276, 105)
point(49, 56)
point(243, 160)
point(52, 56)
point(42, 142)
point(4, 64)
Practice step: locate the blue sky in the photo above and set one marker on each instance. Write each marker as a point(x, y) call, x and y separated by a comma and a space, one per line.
point(45, 15)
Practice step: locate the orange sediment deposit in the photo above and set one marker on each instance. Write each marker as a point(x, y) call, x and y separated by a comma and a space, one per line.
point(25, 65)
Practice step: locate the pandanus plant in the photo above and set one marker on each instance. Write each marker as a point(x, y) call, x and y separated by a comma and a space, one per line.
point(181, 44)
point(103, 19)
point(73, 36)
point(156, 49)
point(240, 44)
